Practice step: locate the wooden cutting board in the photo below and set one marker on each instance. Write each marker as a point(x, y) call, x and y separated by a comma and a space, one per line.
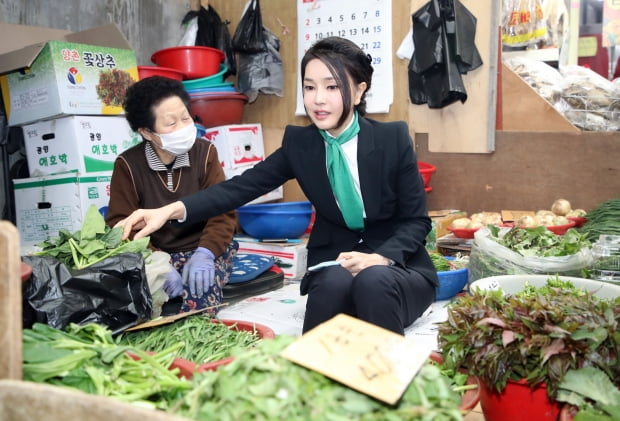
point(164, 320)
point(10, 303)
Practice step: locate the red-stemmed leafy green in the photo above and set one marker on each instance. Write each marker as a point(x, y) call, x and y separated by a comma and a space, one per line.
point(538, 334)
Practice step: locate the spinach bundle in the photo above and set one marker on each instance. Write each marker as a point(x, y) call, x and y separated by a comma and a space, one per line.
point(86, 358)
point(259, 384)
point(94, 242)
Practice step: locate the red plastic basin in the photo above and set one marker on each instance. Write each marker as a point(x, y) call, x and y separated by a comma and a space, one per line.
point(148, 71)
point(518, 402)
point(258, 329)
point(193, 61)
point(218, 109)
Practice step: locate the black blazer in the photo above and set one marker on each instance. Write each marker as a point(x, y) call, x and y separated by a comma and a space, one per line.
point(396, 222)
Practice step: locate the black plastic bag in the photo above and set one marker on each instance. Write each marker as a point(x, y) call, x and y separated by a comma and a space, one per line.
point(249, 37)
point(213, 32)
point(443, 37)
point(262, 72)
point(112, 293)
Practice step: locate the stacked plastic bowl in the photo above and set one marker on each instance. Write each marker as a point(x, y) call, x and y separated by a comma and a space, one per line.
point(214, 102)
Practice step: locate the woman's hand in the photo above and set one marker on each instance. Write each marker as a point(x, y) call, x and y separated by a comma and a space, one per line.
point(355, 262)
point(146, 221)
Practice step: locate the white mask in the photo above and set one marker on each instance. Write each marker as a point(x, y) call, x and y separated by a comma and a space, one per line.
point(180, 141)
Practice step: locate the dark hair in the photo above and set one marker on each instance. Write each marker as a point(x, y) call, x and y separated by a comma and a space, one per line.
point(143, 96)
point(344, 59)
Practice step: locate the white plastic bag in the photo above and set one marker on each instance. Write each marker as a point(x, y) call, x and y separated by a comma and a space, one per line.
point(191, 30)
point(156, 267)
point(489, 258)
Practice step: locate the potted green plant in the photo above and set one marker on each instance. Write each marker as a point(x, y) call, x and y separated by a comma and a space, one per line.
point(521, 345)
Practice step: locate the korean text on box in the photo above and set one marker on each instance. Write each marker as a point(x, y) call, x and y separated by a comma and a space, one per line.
point(68, 78)
point(76, 143)
point(44, 205)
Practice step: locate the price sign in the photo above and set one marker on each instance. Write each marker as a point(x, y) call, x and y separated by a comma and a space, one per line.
point(365, 357)
point(365, 22)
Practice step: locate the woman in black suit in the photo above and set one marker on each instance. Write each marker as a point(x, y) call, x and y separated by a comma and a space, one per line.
point(362, 178)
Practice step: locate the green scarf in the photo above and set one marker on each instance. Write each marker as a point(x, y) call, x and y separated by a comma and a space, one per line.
point(341, 179)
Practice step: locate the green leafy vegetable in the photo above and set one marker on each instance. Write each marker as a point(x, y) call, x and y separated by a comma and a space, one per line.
point(440, 262)
point(537, 335)
point(259, 384)
point(593, 392)
point(93, 243)
point(602, 220)
point(86, 358)
point(202, 339)
point(540, 241)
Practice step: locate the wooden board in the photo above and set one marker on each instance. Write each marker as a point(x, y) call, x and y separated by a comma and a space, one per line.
point(468, 127)
point(528, 171)
point(10, 303)
point(165, 320)
point(524, 110)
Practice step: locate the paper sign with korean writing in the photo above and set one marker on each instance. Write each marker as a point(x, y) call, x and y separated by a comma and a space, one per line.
point(360, 355)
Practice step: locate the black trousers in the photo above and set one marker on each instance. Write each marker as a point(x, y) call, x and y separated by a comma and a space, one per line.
point(387, 296)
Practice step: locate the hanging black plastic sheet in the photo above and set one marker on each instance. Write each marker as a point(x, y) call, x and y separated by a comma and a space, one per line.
point(444, 34)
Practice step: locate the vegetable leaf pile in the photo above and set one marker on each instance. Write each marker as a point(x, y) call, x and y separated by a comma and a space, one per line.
point(590, 390)
point(540, 241)
point(93, 243)
point(86, 358)
point(203, 340)
point(537, 335)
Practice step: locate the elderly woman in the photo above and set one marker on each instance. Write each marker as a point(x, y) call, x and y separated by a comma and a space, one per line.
point(171, 163)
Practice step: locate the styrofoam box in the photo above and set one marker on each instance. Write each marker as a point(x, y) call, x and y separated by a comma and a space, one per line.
point(76, 143)
point(292, 258)
point(238, 145)
point(276, 194)
point(44, 205)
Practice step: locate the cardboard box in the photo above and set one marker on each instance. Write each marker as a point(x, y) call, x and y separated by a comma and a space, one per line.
point(60, 73)
point(238, 145)
point(44, 205)
point(292, 258)
point(443, 218)
point(85, 144)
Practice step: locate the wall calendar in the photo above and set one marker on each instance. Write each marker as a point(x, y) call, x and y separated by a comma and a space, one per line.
point(365, 22)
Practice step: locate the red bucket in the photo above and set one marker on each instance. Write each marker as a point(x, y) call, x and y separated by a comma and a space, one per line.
point(518, 402)
point(426, 170)
point(258, 329)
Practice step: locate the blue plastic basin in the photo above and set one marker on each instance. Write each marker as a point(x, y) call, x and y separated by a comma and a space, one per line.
point(275, 220)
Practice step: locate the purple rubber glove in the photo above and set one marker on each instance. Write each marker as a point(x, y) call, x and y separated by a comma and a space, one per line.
point(173, 286)
point(199, 271)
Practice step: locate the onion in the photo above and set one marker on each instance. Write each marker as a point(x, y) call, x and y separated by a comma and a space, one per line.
point(546, 219)
point(526, 221)
point(461, 223)
point(559, 220)
point(544, 212)
point(561, 207)
point(475, 225)
point(576, 213)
